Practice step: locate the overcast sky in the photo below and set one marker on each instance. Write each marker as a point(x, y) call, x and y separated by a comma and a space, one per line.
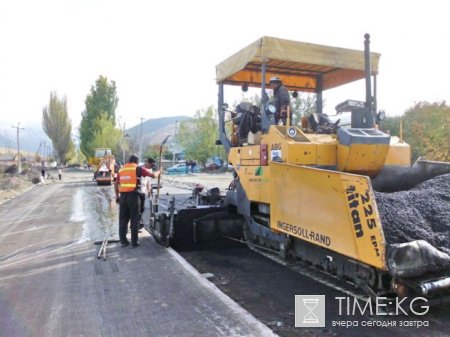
point(162, 54)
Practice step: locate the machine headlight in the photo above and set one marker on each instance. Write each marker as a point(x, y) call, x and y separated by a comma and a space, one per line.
point(381, 115)
point(271, 108)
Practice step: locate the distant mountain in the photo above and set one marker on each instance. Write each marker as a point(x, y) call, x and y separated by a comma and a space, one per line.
point(6, 141)
point(30, 138)
point(155, 130)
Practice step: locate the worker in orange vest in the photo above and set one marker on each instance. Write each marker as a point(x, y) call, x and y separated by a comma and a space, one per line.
point(127, 188)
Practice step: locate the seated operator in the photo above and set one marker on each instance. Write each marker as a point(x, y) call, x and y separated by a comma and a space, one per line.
point(282, 100)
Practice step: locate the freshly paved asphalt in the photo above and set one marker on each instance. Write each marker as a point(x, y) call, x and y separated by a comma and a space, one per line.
point(52, 284)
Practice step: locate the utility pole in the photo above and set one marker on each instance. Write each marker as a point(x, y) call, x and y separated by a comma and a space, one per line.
point(122, 140)
point(140, 139)
point(19, 165)
point(43, 152)
point(123, 143)
point(174, 147)
point(38, 152)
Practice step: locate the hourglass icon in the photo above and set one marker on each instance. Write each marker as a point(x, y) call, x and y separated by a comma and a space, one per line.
point(310, 304)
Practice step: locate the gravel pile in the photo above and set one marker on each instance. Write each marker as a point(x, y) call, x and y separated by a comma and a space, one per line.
point(8, 183)
point(11, 186)
point(420, 213)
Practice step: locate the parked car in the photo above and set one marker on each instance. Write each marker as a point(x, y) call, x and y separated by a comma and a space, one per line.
point(181, 169)
point(212, 166)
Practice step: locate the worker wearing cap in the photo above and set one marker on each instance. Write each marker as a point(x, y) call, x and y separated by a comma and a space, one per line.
point(146, 188)
point(282, 100)
point(150, 164)
point(127, 188)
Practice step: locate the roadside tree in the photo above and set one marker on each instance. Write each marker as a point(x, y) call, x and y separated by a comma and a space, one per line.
point(102, 100)
point(105, 133)
point(58, 126)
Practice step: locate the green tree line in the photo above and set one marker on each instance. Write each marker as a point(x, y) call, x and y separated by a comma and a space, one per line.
point(426, 127)
point(198, 136)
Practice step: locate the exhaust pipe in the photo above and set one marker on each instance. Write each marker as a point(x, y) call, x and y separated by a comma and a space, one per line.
point(368, 71)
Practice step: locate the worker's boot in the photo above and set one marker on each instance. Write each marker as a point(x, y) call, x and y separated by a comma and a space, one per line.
point(134, 237)
point(141, 223)
point(123, 236)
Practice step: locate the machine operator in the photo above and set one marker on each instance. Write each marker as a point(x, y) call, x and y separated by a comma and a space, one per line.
point(282, 101)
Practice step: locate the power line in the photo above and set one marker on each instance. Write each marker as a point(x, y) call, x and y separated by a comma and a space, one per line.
point(18, 129)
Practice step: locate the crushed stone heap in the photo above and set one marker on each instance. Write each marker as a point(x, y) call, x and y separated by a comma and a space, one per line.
point(421, 213)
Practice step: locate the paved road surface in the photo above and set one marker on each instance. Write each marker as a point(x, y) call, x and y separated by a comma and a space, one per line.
point(52, 284)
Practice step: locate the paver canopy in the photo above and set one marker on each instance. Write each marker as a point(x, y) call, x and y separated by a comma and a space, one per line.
point(301, 66)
